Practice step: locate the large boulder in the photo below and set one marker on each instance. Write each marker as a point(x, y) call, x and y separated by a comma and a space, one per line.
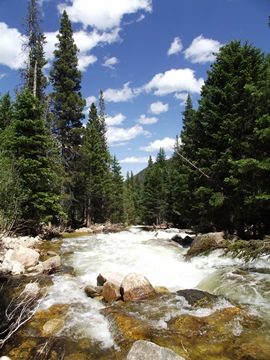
point(26, 256)
point(111, 291)
point(136, 287)
point(205, 243)
point(146, 350)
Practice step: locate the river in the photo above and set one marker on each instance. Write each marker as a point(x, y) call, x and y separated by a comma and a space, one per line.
point(162, 261)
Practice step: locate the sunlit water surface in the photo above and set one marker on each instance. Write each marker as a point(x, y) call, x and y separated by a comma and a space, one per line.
point(163, 263)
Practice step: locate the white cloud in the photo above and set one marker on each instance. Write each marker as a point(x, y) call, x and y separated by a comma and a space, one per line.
point(176, 46)
point(135, 160)
point(158, 107)
point(2, 75)
point(182, 97)
point(110, 62)
point(85, 42)
point(115, 135)
point(167, 144)
point(85, 60)
point(175, 80)
point(201, 50)
point(103, 14)
point(147, 120)
point(90, 100)
point(116, 95)
point(11, 53)
point(115, 120)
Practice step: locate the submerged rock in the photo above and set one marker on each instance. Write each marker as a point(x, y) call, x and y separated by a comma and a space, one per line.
point(146, 350)
point(198, 298)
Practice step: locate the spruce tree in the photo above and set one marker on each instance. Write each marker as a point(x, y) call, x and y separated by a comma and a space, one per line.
point(117, 193)
point(231, 108)
point(67, 107)
point(29, 145)
point(33, 76)
point(97, 170)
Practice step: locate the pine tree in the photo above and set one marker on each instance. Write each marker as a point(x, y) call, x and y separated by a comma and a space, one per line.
point(29, 145)
point(67, 107)
point(33, 75)
point(117, 193)
point(231, 107)
point(97, 170)
point(6, 111)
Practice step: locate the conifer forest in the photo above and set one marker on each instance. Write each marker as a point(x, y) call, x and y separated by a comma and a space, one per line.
point(57, 171)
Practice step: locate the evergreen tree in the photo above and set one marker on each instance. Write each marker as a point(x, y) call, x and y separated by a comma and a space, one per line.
point(155, 190)
point(129, 206)
point(6, 111)
point(97, 170)
point(29, 145)
point(33, 75)
point(67, 107)
point(117, 193)
point(231, 108)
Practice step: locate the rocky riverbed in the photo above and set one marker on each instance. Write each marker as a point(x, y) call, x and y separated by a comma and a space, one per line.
point(142, 318)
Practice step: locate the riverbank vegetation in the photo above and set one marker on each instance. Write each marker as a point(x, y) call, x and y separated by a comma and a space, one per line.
point(56, 171)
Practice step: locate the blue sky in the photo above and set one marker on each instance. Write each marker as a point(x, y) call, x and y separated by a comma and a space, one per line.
point(146, 56)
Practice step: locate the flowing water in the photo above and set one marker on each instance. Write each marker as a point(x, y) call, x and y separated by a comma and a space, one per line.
point(163, 263)
point(91, 329)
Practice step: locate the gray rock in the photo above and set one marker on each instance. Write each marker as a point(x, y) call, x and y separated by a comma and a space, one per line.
point(145, 350)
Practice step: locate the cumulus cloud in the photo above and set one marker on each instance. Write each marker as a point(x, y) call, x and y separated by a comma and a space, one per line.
point(167, 144)
point(202, 50)
point(147, 120)
point(118, 119)
point(103, 14)
point(85, 60)
point(85, 42)
point(182, 97)
point(90, 100)
point(175, 80)
point(110, 62)
point(176, 46)
point(119, 135)
point(119, 95)
point(158, 107)
point(11, 41)
point(135, 160)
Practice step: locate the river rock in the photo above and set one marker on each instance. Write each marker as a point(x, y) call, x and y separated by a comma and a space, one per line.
point(52, 326)
point(12, 267)
point(146, 350)
point(136, 287)
point(111, 291)
point(204, 243)
point(26, 256)
point(112, 276)
point(93, 291)
point(183, 241)
point(51, 264)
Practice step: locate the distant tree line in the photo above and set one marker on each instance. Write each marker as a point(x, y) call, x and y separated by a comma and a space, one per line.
point(56, 171)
